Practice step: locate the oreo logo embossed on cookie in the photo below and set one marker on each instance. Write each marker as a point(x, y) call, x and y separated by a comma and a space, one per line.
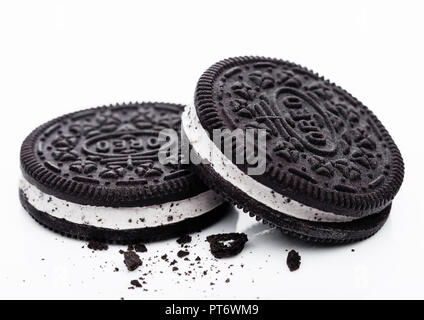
point(95, 174)
point(330, 168)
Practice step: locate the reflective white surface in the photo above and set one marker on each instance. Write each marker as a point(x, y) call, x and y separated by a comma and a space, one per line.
point(62, 56)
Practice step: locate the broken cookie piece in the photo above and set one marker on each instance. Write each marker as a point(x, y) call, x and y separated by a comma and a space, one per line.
point(226, 244)
point(132, 260)
point(293, 260)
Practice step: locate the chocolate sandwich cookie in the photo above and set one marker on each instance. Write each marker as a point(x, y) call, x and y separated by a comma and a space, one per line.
point(331, 169)
point(95, 174)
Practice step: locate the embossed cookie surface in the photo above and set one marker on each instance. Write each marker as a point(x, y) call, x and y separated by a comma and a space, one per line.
point(108, 155)
point(324, 147)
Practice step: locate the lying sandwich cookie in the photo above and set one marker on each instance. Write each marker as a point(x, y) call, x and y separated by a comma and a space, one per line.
point(95, 174)
point(330, 168)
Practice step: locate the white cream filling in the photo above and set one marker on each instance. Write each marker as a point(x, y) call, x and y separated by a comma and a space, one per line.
point(205, 149)
point(122, 218)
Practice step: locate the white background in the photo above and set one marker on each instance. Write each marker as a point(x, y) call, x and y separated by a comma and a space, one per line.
point(61, 56)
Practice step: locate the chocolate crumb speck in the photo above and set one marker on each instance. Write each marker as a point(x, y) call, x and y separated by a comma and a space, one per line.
point(136, 283)
point(96, 245)
point(141, 247)
point(132, 260)
point(174, 269)
point(182, 253)
point(293, 260)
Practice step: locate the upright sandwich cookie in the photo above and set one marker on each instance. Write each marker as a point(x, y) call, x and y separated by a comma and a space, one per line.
point(95, 174)
point(331, 168)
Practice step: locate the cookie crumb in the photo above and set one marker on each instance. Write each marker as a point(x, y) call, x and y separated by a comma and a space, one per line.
point(293, 260)
point(182, 253)
point(226, 244)
point(132, 260)
point(136, 283)
point(96, 245)
point(141, 247)
point(184, 239)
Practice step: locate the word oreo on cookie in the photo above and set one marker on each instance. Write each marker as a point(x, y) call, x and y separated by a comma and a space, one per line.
point(331, 168)
point(95, 174)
